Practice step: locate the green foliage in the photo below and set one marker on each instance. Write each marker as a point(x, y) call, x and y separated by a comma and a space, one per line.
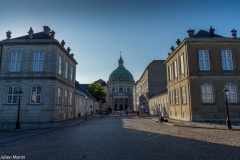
point(97, 91)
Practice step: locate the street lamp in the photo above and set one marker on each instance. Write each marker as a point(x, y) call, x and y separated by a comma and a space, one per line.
point(228, 122)
point(19, 97)
point(86, 108)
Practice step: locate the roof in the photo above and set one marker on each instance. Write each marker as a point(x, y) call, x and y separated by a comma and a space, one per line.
point(39, 35)
point(103, 83)
point(203, 33)
point(121, 73)
point(82, 91)
point(159, 93)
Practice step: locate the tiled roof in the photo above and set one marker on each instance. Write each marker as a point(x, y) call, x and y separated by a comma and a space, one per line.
point(203, 33)
point(39, 35)
point(82, 91)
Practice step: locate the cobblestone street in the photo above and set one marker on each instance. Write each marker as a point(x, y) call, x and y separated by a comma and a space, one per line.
point(123, 137)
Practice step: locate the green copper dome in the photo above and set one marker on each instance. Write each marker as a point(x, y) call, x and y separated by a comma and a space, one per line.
point(120, 74)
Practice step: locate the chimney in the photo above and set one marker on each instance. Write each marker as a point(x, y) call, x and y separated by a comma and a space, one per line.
point(46, 30)
point(211, 31)
point(8, 34)
point(234, 34)
point(30, 33)
point(190, 33)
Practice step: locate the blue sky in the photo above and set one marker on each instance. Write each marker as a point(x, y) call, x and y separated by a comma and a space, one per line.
point(97, 30)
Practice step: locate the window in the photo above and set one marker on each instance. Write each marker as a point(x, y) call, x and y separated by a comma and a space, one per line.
point(12, 95)
point(36, 95)
point(207, 93)
point(170, 72)
point(71, 74)
point(38, 61)
point(176, 96)
point(128, 89)
point(184, 95)
point(181, 64)
point(59, 96)
point(60, 65)
point(227, 62)
point(16, 59)
point(65, 97)
point(113, 90)
point(66, 71)
point(232, 95)
point(121, 89)
point(70, 98)
point(175, 69)
point(171, 97)
point(204, 64)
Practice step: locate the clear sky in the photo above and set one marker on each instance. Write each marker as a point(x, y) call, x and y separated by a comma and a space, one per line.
point(97, 30)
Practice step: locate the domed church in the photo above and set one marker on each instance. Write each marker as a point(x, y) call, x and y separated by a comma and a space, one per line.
point(120, 88)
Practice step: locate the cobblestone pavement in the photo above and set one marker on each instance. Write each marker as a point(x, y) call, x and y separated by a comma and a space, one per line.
point(123, 137)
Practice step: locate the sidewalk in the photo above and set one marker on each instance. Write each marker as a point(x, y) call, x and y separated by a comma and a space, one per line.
point(45, 125)
point(208, 125)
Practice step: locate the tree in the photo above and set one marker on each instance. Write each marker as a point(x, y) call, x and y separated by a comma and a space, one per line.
point(97, 91)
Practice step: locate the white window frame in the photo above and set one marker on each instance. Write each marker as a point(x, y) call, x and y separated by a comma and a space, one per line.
point(71, 73)
point(60, 65)
point(66, 70)
point(16, 59)
point(176, 96)
point(59, 96)
point(207, 93)
point(36, 96)
point(175, 69)
point(184, 100)
point(65, 97)
point(12, 95)
point(38, 61)
point(181, 64)
point(170, 72)
point(227, 61)
point(204, 60)
point(232, 94)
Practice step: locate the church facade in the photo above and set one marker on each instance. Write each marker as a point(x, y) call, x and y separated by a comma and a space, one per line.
point(120, 88)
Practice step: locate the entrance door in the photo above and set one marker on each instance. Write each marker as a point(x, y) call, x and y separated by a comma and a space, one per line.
point(121, 107)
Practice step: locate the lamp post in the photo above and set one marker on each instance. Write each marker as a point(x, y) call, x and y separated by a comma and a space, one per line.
point(19, 97)
point(228, 122)
point(86, 108)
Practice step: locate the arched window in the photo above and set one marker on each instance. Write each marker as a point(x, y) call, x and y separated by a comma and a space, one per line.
point(232, 94)
point(121, 89)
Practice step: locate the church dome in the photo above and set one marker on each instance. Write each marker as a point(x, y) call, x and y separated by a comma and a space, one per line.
point(120, 74)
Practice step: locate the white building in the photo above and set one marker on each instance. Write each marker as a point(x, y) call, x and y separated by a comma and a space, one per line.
point(45, 72)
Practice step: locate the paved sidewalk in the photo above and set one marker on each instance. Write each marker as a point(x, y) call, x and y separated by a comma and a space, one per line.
point(45, 125)
point(207, 125)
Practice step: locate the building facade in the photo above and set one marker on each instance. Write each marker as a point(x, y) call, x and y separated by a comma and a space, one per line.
point(120, 88)
point(85, 103)
point(152, 81)
point(45, 72)
point(197, 72)
point(158, 104)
